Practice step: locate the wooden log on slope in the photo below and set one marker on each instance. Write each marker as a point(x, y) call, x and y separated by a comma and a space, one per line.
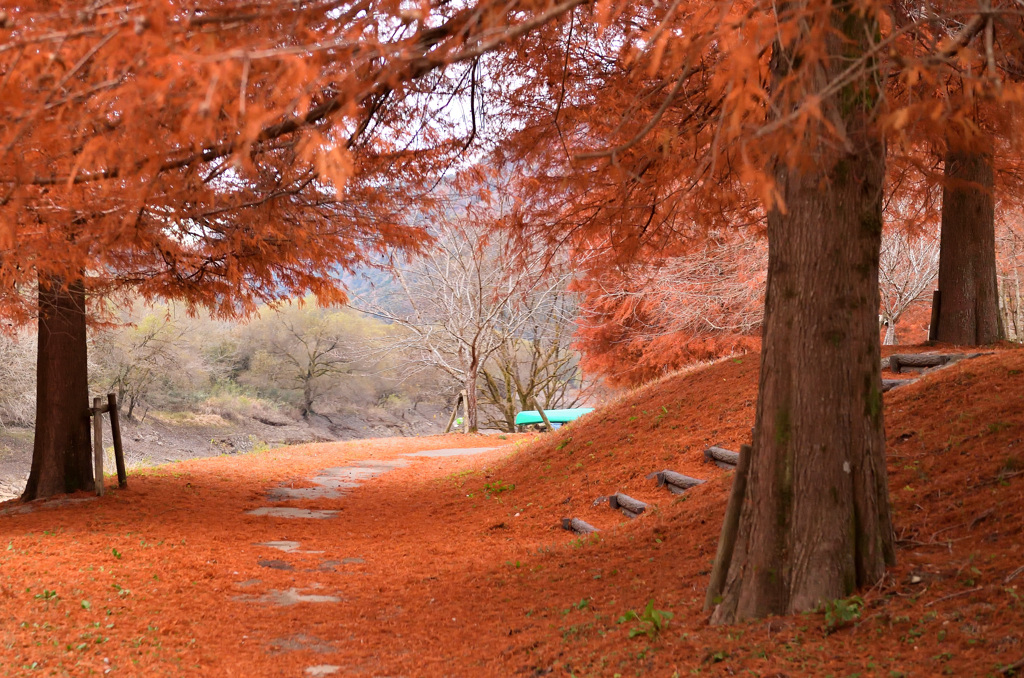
point(724, 458)
point(900, 361)
point(925, 361)
point(578, 526)
point(676, 483)
point(889, 384)
point(630, 507)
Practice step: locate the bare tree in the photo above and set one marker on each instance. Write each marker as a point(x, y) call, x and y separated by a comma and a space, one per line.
point(152, 351)
point(907, 269)
point(539, 366)
point(468, 299)
point(302, 347)
point(1010, 251)
point(18, 386)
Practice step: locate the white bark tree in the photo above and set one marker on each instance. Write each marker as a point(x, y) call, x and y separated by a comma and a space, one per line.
point(154, 351)
point(539, 366)
point(303, 349)
point(18, 386)
point(1010, 275)
point(907, 269)
point(474, 295)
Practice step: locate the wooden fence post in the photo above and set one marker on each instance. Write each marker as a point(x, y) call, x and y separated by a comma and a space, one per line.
point(115, 433)
point(97, 445)
point(455, 413)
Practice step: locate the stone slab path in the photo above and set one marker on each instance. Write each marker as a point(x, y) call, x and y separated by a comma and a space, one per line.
point(328, 485)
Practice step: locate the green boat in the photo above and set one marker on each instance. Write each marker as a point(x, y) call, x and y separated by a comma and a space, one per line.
point(554, 416)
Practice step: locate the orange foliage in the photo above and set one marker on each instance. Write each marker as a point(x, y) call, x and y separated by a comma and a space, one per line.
point(225, 153)
point(641, 322)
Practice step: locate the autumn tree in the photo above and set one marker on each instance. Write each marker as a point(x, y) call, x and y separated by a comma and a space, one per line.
point(663, 124)
point(224, 154)
point(307, 350)
point(642, 320)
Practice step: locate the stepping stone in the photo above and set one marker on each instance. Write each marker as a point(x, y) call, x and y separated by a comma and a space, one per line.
point(334, 482)
point(275, 565)
point(297, 493)
point(289, 512)
point(328, 566)
point(300, 642)
point(286, 546)
point(352, 561)
point(288, 597)
point(452, 452)
point(322, 670)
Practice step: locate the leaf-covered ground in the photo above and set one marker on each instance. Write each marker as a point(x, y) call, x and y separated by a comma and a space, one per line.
point(458, 566)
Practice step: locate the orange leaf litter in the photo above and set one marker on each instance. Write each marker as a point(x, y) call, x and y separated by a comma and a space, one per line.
point(442, 570)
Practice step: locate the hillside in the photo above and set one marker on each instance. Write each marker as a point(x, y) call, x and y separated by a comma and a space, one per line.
point(462, 568)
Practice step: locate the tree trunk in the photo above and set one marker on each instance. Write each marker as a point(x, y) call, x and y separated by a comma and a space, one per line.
point(890, 333)
point(814, 521)
point(307, 396)
point(969, 299)
point(62, 451)
point(471, 400)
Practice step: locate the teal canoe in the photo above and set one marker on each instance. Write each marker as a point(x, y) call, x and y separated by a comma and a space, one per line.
point(554, 416)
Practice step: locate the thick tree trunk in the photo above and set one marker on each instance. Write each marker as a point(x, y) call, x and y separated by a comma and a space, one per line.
point(62, 452)
point(890, 333)
point(969, 297)
point(814, 520)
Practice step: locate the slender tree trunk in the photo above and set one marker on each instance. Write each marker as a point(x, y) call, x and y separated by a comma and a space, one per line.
point(307, 396)
point(968, 299)
point(62, 451)
point(471, 399)
point(814, 523)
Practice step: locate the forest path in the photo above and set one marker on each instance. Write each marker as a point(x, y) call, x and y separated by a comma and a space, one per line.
point(291, 562)
point(329, 483)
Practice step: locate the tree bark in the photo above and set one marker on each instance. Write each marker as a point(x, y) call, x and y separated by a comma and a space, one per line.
point(62, 451)
point(815, 521)
point(307, 396)
point(471, 400)
point(969, 298)
point(890, 332)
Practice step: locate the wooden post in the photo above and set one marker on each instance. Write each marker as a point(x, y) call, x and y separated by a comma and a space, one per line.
point(455, 412)
point(97, 445)
point(543, 414)
point(465, 413)
point(730, 526)
point(115, 433)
